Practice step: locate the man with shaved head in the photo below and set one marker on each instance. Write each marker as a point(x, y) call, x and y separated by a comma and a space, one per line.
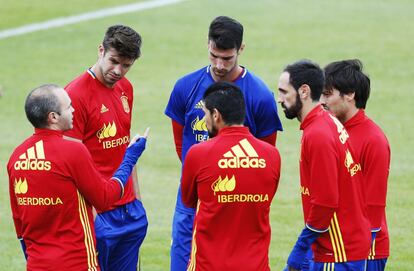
point(53, 184)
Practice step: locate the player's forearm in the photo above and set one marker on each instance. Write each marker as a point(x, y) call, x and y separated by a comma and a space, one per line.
point(319, 217)
point(188, 196)
point(375, 215)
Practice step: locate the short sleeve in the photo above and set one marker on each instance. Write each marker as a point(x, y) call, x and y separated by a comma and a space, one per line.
point(176, 105)
point(266, 116)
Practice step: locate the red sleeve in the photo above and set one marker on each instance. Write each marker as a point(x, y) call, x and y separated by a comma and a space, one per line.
point(101, 193)
point(189, 178)
point(178, 137)
point(375, 216)
point(271, 139)
point(15, 211)
point(375, 165)
point(319, 217)
point(324, 160)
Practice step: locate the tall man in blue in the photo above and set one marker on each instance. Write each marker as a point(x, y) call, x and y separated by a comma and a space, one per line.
point(185, 110)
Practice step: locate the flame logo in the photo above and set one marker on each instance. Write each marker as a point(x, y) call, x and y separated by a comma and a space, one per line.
point(20, 187)
point(222, 185)
point(199, 125)
point(348, 159)
point(106, 131)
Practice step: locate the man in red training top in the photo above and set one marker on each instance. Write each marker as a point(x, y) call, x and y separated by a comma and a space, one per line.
point(336, 222)
point(345, 95)
point(53, 183)
point(103, 98)
point(231, 180)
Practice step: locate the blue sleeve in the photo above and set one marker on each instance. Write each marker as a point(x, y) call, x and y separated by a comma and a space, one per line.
point(176, 106)
point(266, 117)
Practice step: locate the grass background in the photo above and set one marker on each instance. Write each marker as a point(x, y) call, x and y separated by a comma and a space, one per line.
point(175, 43)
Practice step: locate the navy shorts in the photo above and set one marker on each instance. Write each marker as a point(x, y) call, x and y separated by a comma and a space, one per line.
point(182, 231)
point(119, 235)
point(347, 266)
point(376, 265)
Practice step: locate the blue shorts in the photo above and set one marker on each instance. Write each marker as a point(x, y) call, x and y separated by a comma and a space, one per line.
point(376, 265)
point(182, 231)
point(347, 266)
point(308, 260)
point(119, 235)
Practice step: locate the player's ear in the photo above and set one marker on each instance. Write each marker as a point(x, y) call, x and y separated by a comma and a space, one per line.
point(216, 115)
point(304, 91)
point(52, 118)
point(350, 96)
point(101, 50)
point(241, 49)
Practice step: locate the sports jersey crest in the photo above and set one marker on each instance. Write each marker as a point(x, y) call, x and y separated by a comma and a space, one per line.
point(125, 105)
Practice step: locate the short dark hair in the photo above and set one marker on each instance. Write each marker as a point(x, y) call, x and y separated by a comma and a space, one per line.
point(228, 99)
point(125, 40)
point(39, 103)
point(226, 33)
point(309, 73)
point(347, 77)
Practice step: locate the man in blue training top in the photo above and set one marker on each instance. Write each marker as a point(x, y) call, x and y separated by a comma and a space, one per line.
point(185, 110)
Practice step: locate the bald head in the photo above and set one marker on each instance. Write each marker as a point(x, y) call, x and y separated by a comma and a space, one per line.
point(40, 102)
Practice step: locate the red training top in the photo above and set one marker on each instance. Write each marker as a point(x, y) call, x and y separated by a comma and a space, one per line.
point(53, 183)
point(102, 120)
point(373, 151)
point(331, 179)
point(231, 179)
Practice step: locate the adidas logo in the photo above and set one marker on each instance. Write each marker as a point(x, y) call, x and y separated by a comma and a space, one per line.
point(199, 125)
point(104, 109)
point(242, 155)
point(33, 159)
point(223, 185)
point(20, 186)
point(106, 131)
point(199, 105)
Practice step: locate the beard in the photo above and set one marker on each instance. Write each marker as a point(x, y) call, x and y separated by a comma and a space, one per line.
point(294, 110)
point(212, 132)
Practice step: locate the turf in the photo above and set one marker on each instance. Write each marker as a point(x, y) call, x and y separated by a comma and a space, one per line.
point(175, 43)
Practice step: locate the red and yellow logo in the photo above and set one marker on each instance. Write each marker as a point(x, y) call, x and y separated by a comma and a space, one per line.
point(125, 105)
point(106, 131)
point(224, 184)
point(20, 186)
point(352, 167)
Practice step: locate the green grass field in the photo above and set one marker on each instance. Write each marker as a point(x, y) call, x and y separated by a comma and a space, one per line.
point(175, 43)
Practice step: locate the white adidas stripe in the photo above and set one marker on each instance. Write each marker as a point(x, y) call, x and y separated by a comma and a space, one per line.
point(242, 149)
point(31, 154)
